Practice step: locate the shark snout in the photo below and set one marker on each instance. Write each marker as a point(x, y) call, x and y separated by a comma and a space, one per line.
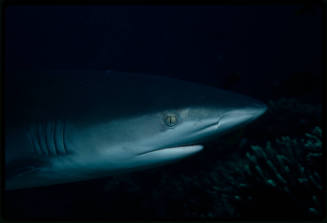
point(241, 116)
point(255, 110)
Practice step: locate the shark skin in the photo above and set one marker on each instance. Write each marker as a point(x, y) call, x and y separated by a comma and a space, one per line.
point(70, 126)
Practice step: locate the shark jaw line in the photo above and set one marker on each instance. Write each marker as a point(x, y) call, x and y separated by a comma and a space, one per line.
point(185, 148)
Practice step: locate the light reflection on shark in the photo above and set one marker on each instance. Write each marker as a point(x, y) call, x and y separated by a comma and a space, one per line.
point(74, 126)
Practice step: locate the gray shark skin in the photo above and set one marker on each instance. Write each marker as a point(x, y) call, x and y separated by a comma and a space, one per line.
point(72, 126)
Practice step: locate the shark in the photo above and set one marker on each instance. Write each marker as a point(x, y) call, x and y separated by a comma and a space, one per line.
point(68, 126)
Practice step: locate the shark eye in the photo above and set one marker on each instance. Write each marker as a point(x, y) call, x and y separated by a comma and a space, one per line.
point(171, 120)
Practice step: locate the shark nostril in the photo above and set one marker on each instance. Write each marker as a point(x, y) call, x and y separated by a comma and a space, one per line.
point(218, 122)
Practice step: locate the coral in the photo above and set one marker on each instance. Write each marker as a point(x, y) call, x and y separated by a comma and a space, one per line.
point(281, 178)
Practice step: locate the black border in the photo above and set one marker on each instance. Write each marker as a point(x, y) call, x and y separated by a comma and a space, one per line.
point(321, 3)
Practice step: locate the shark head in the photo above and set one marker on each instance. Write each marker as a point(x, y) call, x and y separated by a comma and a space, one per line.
point(175, 123)
point(179, 133)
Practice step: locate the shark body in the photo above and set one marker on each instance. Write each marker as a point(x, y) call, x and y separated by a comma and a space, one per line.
point(73, 126)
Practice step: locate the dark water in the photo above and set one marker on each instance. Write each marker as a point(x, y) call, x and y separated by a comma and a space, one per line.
point(270, 52)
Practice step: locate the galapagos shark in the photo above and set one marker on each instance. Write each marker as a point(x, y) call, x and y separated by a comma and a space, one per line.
point(70, 126)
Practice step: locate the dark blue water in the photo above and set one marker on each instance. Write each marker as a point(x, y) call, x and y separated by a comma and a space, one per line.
point(269, 52)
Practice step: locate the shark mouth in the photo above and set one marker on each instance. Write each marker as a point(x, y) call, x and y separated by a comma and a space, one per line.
point(174, 151)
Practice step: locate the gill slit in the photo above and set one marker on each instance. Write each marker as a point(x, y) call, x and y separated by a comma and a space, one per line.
point(63, 137)
point(54, 138)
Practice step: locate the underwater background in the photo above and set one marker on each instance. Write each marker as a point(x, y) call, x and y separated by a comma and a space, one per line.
point(271, 169)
